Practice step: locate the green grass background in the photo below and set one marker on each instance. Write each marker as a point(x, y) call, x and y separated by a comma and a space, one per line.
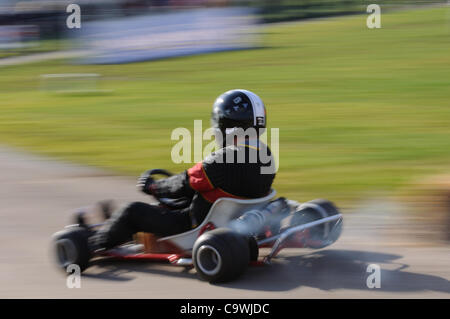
point(42, 46)
point(360, 111)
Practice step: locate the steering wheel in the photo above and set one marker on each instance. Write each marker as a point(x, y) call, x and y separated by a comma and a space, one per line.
point(171, 203)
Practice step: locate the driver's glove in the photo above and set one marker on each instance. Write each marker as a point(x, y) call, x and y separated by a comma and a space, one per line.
point(144, 183)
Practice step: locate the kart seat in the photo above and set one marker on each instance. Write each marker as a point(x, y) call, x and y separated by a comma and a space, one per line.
point(221, 213)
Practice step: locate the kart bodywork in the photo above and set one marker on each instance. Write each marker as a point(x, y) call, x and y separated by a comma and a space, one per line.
point(177, 249)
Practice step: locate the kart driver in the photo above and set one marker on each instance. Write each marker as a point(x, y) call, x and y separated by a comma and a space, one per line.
point(237, 170)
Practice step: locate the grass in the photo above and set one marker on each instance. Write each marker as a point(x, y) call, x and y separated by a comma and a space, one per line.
point(43, 46)
point(360, 111)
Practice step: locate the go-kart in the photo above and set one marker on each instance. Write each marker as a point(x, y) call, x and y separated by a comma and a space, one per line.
point(225, 243)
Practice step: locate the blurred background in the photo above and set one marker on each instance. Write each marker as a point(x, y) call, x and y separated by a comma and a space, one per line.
point(364, 114)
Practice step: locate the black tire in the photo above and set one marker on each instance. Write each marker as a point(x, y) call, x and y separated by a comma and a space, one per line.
point(325, 234)
point(254, 249)
point(221, 255)
point(70, 246)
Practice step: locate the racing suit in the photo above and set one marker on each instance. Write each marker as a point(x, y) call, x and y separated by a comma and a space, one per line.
point(243, 170)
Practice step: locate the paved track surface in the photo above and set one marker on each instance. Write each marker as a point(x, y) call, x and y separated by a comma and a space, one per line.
point(38, 195)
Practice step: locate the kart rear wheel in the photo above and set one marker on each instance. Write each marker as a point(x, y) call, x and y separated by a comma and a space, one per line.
point(254, 249)
point(321, 235)
point(70, 246)
point(221, 255)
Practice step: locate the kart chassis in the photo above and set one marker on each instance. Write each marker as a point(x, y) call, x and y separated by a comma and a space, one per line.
point(177, 249)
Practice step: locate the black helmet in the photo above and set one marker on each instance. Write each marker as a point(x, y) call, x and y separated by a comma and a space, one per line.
point(238, 109)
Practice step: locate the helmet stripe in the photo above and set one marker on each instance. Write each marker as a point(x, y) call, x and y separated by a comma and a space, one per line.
point(257, 104)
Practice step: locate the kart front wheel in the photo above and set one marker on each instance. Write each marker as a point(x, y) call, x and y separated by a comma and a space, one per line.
point(71, 247)
point(221, 255)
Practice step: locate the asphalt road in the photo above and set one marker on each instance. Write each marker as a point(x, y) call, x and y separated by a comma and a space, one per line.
point(38, 195)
